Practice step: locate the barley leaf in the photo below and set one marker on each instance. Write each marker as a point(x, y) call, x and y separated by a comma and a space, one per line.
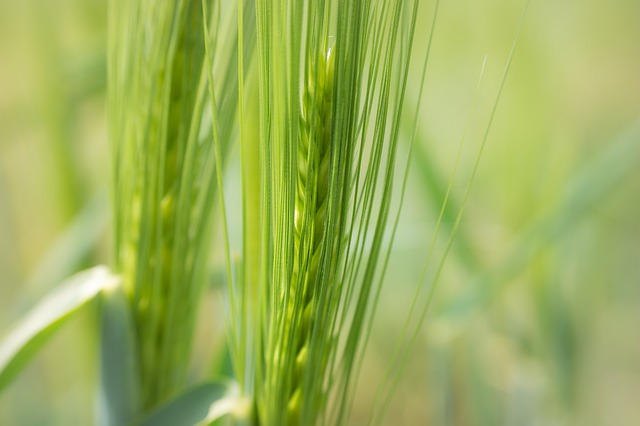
point(25, 338)
point(119, 397)
point(200, 405)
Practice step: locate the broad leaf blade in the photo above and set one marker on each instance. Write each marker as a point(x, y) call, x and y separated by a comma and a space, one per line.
point(199, 406)
point(27, 336)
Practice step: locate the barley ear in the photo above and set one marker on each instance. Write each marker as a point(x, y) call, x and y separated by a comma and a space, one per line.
point(310, 212)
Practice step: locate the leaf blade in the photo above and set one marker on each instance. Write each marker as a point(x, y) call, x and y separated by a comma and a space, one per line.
point(25, 338)
point(200, 405)
point(119, 398)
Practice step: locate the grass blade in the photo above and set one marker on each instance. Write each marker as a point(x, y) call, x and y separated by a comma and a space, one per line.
point(26, 337)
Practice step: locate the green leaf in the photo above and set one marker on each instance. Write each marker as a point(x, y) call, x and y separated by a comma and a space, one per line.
point(119, 398)
point(27, 336)
point(200, 405)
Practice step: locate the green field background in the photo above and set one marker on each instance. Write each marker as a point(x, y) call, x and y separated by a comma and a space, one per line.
point(536, 318)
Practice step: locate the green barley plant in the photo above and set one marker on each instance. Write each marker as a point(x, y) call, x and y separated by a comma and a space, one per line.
point(163, 158)
point(323, 184)
point(167, 148)
point(309, 136)
point(332, 78)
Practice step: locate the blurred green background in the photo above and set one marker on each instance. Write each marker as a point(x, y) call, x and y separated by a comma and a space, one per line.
point(536, 320)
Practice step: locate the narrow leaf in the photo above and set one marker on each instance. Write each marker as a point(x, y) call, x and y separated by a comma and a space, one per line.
point(26, 337)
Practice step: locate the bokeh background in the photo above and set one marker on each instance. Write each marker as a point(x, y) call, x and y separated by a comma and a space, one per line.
point(536, 318)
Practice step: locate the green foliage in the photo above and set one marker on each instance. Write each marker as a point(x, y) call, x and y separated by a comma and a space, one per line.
point(197, 406)
point(119, 397)
point(322, 192)
point(24, 339)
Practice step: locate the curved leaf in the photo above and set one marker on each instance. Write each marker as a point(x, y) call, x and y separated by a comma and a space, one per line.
point(27, 336)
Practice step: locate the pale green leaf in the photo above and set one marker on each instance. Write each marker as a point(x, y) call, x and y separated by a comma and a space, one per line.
point(23, 340)
point(119, 398)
